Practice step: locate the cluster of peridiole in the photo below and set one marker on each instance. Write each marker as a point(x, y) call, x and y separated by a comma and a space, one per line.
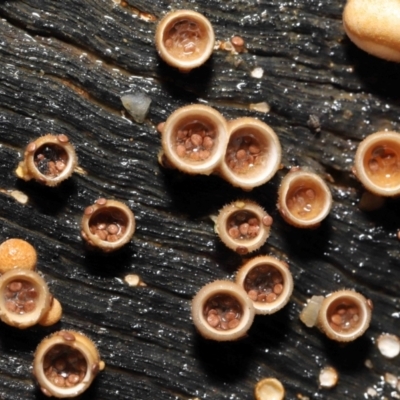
point(66, 362)
point(106, 225)
point(25, 299)
point(224, 310)
point(197, 139)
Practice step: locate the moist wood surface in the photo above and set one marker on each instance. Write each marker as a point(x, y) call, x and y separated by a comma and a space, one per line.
point(64, 66)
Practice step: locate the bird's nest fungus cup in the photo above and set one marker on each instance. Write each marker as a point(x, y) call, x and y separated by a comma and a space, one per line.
point(243, 226)
point(194, 139)
point(304, 199)
point(108, 225)
point(268, 282)
point(222, 311)
point(65, 364)
point(344, 315)
point(24, 298)
point(377, 163)
point(253, 153)
point(185, 39)
point(373, 26)
point(49, 160)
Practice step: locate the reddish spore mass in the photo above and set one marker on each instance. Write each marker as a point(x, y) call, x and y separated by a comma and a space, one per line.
point(222, 312)
point(264, 284)
point(20, 297)
point(195, 141)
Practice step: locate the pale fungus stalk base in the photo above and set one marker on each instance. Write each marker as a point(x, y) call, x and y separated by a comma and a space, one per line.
point(185, 39)
point(269, 389)
point(243, 226)
point(377, 163)
point(373, 26)
point(268, 282)
point(65, 364)
point(107, 225)
point(49, 160)
point(253, 154)
point(344, 315)
point(304, 199)
point(222, 311)
point(194, 139)
point(24, 298)
point(17, 253)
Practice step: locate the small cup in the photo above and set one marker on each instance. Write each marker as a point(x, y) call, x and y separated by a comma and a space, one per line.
point(222, 311)
point(268, 282)
point(24, 298)
point(185, 39)
point(108, 225)
point(377, 163)
point(65, 364)
point(49, 160)
point(194, 139)
point(304, 199)
point(253, 154)
point(344, 315)
point(243, 226)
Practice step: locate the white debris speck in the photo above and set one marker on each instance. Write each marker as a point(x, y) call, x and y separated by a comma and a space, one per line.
point(391, 380)
point(328, 377)
point(261, 107)
point(137, 105)
point(134, 280)
point(388, 345)
point(257, 73)
point(372, 392)
point(19, 196)
point(368, 364)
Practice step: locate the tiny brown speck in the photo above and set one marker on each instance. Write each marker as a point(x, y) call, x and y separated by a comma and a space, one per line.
point(69, 337)
point(63, 138)
point(101, 201)
point(160, 127)
point(242, 250)
point(267, 220)
point(95, 368)
point(31, 147)
point(237, 41)
point(89, 210)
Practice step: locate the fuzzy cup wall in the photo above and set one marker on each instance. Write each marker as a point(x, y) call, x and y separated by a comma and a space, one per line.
point(64, 67)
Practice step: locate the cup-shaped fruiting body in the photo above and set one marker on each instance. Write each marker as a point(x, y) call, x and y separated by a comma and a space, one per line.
point(17, 253)
point(253, 154)
point(268, 282)
point(243, 226)
point(377, 163)
point(53, 315)
point(49, 160)
point(108, 225)
point(373, 26)
point(304, 199)
point(65, 364)
point(24, 298)
point(185, 39)
point(344, 315)
point(222, 311)
point(194, 139)
point(269, 389)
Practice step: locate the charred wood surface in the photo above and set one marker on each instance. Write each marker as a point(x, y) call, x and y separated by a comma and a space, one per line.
point(64, 66)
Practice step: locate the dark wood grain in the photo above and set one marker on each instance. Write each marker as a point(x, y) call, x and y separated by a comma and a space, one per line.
point(64, 66)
